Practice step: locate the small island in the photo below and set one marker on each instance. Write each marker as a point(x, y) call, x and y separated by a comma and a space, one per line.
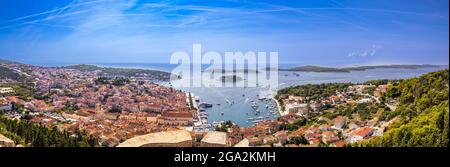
point(230, 78)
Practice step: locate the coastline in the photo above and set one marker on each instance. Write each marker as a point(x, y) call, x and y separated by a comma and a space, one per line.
point(282, 113)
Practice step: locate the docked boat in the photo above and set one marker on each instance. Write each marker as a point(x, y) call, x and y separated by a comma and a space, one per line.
point(197, 99)
point(204, 121)
point(205, 105)
point(215, 123)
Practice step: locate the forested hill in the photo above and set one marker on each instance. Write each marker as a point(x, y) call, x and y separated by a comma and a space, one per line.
point(6, 73)
point(423, 109)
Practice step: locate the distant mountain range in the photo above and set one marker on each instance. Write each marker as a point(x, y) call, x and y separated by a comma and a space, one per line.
point(310, 68)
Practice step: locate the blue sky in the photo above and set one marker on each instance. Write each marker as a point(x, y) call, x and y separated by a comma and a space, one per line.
point(318, 32)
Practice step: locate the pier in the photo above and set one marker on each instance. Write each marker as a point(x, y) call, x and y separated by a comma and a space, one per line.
point(201, 123)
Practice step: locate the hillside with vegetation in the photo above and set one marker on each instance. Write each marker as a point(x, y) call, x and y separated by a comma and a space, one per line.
point(28, 133)
point(423, 111)
point(9, 74)
point(313, 91)
point(6, 73)
point(388, 113)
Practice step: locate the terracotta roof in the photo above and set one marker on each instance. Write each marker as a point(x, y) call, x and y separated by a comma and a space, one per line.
point(298, 132)
point(365, 131)
point(329, 133)
point(340, 143)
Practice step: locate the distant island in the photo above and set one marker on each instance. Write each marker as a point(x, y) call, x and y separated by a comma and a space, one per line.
point(315, 69)
point(234, 70)
point(310, 68)
point(123, 72)
point(230, 78)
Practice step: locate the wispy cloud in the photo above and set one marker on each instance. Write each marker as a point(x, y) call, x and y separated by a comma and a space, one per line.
point(132, 27)
point(57, 16)
point(371, 10)
point(54, 25)
point(160, 14)
point(58, 11)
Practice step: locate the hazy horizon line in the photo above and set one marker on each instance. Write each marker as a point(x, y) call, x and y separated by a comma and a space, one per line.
point(61, 64)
